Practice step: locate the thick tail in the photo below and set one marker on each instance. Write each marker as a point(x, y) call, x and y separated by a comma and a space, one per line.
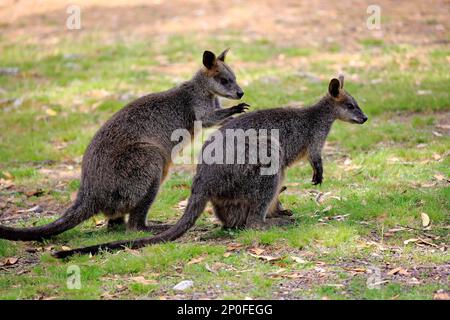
point(193, 211)
point(72, 217)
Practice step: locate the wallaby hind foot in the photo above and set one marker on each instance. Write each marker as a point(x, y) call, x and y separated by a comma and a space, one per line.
point(116, 224)
point(281, 213)
point(259, 224)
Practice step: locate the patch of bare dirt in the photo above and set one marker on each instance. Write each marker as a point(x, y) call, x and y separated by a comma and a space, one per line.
point(20, 207)
point(22, 202)
point(303, 23)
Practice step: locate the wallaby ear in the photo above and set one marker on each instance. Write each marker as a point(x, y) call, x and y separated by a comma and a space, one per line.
point(223, 55)
point(209, 59)
point(341, 80)
point(333, 87)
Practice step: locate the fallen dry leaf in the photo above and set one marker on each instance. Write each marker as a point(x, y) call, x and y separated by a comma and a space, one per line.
point(298, 259)
point(357, 270)
point(391, 232)
point(293, 275)
point(441, 295)
point(36, 209)
point(425, 219)
point(340, 217)
point(427, 242)
point(6, 184)
point(142, 280)
point(265, 258)
point(182, 205)
point(98, 222)
point(8, 175)
point(9, 261)
point(34, 193)
point(107, 296)
point(196, 260)
point(398, 270)
point(207, 267)
point(279, 274)
point(183, 285)
point(257, 251)
point(410, 240)
point(50, 112)
point(234, 246)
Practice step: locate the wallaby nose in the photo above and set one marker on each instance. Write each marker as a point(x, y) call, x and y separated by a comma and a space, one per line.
point(364, 119)
point(240, 94)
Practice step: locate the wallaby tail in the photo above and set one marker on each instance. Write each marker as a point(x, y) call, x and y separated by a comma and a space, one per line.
point(73, 216)
point(193, 211)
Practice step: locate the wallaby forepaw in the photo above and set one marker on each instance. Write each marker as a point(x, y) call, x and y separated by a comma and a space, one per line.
point(241, 107)
point(317, 180)
point(286, 212)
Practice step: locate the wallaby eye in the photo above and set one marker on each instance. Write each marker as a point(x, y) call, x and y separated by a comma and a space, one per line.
point(223, 81)
point(350, 106)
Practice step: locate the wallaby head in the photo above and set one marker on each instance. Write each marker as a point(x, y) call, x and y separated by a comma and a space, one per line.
point(345, 106)
point(219, 78)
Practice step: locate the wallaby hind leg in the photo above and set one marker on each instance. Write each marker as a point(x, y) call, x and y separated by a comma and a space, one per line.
point(116, 223)
point(259, 210)
point(138, 215)
point(232, 214)
point(277, 210)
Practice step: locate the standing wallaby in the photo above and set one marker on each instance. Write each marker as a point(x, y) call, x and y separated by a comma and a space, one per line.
point(129, 157)
point(240, 195)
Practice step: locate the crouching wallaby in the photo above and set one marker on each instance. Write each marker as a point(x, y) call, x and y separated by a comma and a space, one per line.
point(129, 157)
point(241, 195)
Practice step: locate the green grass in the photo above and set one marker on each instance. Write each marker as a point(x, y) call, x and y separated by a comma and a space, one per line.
point(69, 90)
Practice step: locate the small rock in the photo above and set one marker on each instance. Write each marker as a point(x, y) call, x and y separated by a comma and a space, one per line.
point(376, 81)
point(72, 66)
point(71, 56)
point(424, 92)
point(9, 70)
point(183, 285)
point(17, 102)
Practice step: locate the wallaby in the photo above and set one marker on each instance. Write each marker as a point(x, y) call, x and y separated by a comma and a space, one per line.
point(130, 155)
point(240, 195)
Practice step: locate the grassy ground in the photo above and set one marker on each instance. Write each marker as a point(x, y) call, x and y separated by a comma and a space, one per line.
point(358, 236)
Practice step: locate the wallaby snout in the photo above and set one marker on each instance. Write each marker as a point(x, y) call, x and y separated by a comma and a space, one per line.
point(359, 117)
point(240, 93)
